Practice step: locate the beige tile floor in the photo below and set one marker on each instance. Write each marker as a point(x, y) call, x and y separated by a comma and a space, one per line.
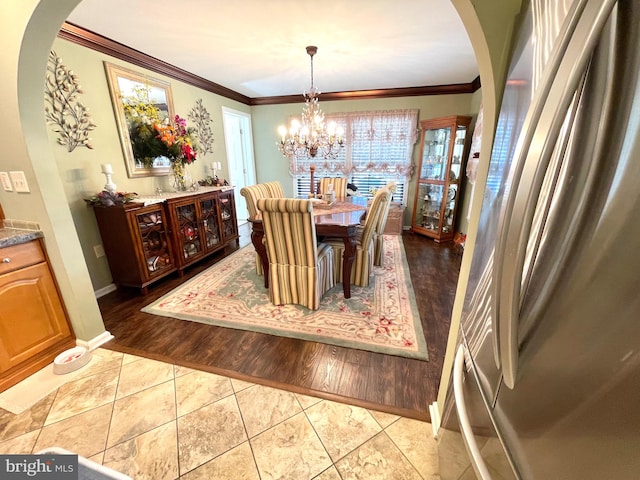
point(153, 420)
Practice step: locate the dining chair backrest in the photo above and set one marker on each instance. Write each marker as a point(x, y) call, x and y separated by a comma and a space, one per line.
point(362, 268)
point(382, 219)
point(252, 193)
point(378, 205)
point(339, 186)
point(290, 230)
point(300, 269)
point(378, 236)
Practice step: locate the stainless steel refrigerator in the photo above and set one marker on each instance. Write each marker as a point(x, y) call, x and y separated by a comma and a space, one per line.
point(546, 380)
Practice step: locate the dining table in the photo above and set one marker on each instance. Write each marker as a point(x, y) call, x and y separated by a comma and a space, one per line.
point(338, 219)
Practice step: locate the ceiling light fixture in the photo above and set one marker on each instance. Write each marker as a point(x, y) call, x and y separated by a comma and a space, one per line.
point(308, 136)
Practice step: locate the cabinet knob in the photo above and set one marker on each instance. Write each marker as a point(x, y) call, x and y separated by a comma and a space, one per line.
point(6, 260)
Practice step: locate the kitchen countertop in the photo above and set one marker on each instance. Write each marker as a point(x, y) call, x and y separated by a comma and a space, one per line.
point(15, 236)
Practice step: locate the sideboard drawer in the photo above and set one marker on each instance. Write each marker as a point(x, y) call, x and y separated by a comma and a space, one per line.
point(19, 256)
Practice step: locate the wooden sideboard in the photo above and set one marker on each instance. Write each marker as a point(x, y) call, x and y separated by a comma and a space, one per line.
point(145, 243)
point(34, 327)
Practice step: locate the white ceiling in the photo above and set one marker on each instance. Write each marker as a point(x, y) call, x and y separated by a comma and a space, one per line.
point(257, 47)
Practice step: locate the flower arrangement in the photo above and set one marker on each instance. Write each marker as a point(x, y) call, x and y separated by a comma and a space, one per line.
point(109, 199)
point(178, 141)
point(153, 134)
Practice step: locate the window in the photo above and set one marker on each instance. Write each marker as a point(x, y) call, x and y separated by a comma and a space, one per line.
point(378, 150)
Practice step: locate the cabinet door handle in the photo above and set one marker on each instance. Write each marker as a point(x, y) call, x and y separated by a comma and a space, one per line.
point(6, 260)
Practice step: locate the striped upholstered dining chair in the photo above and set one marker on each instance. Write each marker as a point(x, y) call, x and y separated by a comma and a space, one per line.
point(378, 233)
point(363, 263)
point(339, 186)
point(300, 268)
point(251, 195)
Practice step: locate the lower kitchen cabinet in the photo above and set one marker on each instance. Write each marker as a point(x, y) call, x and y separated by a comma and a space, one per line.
point(34, 327)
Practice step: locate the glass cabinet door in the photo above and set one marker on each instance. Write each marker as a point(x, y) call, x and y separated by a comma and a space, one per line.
point(209, 215)
point(429, 202)
point(435, 154)
point(155, 242)
point(455, 170)
point(188, 234)
point(228, 215)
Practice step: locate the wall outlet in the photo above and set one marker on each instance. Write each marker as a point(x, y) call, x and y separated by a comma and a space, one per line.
point(99, 250)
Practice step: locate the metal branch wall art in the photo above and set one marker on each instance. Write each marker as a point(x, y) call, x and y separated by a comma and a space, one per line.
point(201, 119)
point(70, 119)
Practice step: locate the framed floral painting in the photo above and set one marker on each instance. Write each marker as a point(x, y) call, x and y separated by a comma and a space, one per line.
point(140, 102)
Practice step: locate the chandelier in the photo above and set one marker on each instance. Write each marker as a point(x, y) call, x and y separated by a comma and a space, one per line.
point(309, 136)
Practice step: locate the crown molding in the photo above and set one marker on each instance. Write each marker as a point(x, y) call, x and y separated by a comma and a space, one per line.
point(94, 41)
point(380, 93)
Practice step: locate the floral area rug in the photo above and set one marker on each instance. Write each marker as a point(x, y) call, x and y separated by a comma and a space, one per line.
point(382, 317)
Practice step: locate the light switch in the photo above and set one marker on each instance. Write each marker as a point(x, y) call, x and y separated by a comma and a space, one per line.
point(6, 182)
point(19, 181)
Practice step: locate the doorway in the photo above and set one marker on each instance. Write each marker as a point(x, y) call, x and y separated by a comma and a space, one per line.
point(239, 145)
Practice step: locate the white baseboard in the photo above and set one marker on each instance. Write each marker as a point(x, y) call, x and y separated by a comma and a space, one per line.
point(101, 292)
point(434, 412)
point(95, 342)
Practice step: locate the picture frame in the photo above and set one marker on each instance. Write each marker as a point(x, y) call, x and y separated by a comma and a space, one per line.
point(123, 84)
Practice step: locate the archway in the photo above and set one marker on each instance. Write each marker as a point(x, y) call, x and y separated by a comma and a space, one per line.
point(29, 28)
point(28, 31)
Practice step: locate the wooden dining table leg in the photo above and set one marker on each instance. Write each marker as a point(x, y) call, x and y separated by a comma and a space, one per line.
point(256, 239)
point(348, 256)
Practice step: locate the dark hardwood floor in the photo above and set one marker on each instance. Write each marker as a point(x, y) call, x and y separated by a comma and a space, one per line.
point(372, 380)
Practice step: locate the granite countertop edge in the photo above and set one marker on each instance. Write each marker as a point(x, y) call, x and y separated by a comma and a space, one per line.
point(15, 236)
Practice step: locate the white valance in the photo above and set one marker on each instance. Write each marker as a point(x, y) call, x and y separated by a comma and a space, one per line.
point(379, 141)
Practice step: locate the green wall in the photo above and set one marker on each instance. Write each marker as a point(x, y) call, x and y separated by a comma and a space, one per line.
point(80, 169)
point(271, 165)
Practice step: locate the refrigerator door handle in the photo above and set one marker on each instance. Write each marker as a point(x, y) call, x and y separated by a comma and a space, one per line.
point(522, 147)
point(534, 159)
point(477, 462)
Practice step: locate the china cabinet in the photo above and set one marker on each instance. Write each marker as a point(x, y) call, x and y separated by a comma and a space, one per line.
point(443, 151)
point(146, 243)
point(34, 327)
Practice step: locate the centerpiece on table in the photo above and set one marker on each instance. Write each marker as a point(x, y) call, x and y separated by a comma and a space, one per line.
point(154, 135)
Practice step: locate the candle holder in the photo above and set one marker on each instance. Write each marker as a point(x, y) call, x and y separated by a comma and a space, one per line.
point(107, 170)
point(215, 167)
point(109, 186)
